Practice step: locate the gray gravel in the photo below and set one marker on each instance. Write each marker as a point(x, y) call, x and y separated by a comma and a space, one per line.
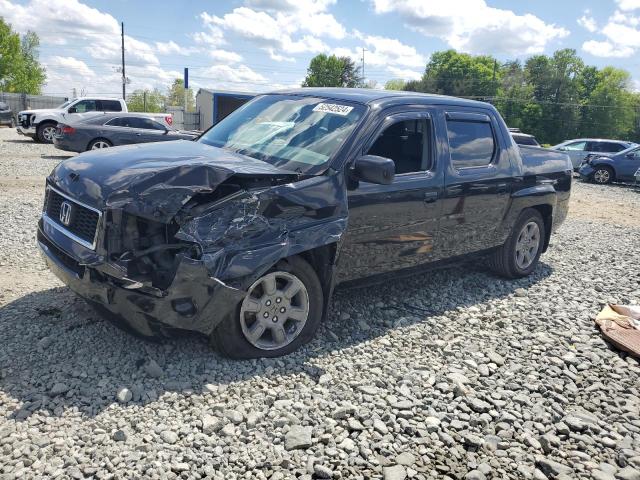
point(454, 374)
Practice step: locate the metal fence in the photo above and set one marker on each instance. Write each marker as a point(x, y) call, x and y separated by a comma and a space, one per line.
point(191, 120)
point(22, 101)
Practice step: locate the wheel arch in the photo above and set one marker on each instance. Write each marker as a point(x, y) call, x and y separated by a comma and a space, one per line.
point(546, 211)
point(323, 259)
point(609, 166)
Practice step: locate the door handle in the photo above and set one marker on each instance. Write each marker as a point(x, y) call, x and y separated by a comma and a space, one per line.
point(502, 188)
point(430, 197)
point(138, 134)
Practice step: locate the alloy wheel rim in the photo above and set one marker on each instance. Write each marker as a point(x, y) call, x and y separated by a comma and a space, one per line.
point(99, 145)
point(527, 245)
point(274, 311)
point(601, 176)
point(48, 132)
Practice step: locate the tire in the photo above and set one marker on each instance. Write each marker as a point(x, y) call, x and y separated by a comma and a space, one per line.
point(231, 337)
point(508, 260)
point(45, 132)
point(99, 143)
point(603, 175)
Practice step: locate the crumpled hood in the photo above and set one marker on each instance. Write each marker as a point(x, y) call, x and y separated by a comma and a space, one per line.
point(153, 180)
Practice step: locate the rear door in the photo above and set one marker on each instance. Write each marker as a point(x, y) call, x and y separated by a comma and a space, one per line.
point(119, 132)
point(392, 227)
point(576, 151)
point(478, 183)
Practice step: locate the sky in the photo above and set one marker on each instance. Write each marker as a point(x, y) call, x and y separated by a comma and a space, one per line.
point(258, 45)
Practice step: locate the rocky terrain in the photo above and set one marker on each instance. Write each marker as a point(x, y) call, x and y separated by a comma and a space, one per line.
point(453, 374)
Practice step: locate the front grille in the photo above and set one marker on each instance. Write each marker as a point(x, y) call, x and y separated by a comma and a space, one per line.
point(83, 221)
point(25, 120)
point(60, 255)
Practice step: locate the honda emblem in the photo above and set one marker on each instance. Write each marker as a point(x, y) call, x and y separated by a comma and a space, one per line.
point(65, 213)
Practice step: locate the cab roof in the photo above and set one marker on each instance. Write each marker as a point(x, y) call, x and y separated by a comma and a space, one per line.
point(388, 97)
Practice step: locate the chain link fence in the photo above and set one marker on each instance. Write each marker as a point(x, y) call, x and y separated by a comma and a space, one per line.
point(21, 101)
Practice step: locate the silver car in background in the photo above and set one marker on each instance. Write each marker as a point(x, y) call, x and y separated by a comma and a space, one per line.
point(579, 148)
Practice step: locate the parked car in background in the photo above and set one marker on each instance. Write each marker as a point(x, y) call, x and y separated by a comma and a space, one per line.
point(113, 129)
point(41, 124)
point(243, 234)
point(580, 148)
point(6, 115)
point(525, 139)
point(604, 169)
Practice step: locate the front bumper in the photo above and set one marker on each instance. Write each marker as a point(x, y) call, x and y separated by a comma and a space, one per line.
point(28, 131)
point(194, 301)
point(586, 171)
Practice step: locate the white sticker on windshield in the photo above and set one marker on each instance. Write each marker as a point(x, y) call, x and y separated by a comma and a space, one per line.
point(333, 108)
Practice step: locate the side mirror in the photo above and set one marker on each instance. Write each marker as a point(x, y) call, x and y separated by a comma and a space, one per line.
point(72, 110)
point(374, 169)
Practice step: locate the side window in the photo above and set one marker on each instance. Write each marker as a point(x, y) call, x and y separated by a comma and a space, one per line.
point(117, 122)
point(147, 124)
point(406, 142)
point(613, 147)
point(110, 106)
point(85, 106)
point(578, 146)
point(471, 144)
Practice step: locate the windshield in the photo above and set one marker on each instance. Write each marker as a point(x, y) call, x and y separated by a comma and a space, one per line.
point(290, 132)
point(65, 104)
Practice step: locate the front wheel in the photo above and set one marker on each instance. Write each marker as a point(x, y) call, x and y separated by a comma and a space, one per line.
point(45, 132)
point(603, 175)
point(281, 312)
point(519, 255)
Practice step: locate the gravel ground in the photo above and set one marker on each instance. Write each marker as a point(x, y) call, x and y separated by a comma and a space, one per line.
point(453, 374)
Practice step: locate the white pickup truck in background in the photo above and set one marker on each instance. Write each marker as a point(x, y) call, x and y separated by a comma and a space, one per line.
point(40, 124)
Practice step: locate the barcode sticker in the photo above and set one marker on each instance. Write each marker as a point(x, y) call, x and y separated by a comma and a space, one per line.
point(333, 108)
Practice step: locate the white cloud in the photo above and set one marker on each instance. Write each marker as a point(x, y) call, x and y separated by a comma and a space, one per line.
point(627, 5)
point(227, 73)
point(588, 22)
point(621, 34)
point(404, 73)
point(472, 26)
point(281, 28)
point(225, 56)
point(172, 48)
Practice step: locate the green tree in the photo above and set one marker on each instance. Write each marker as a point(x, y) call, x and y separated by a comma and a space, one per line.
point(20, 70)
point(459, 74)
point(154, 101)
point(175, 95)
point(611, 112)
point(332, 71)
point(395, 84)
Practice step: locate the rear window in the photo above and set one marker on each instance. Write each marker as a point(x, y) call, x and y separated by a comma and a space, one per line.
point(118, 122)
point(526, 140)
point(111, 106)
point(471, 144)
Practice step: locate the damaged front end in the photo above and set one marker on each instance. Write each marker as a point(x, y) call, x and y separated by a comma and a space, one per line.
point(178, 246)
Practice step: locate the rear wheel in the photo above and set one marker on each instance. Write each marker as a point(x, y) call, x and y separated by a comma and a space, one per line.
point(99, 143)
point(603, 175)
point(281, 312)
point(519, 256)
point(45, 132)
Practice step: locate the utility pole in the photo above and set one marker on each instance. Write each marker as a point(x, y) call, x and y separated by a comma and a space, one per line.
point(363, 50)
point(124, 76)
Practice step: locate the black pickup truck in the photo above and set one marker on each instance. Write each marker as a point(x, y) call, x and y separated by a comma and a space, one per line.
point(243, 234)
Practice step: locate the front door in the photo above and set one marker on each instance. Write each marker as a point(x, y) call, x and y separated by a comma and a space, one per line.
point(627, 165)
point(392, 227)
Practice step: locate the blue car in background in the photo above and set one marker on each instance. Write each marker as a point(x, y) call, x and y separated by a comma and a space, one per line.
point(622, 167)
